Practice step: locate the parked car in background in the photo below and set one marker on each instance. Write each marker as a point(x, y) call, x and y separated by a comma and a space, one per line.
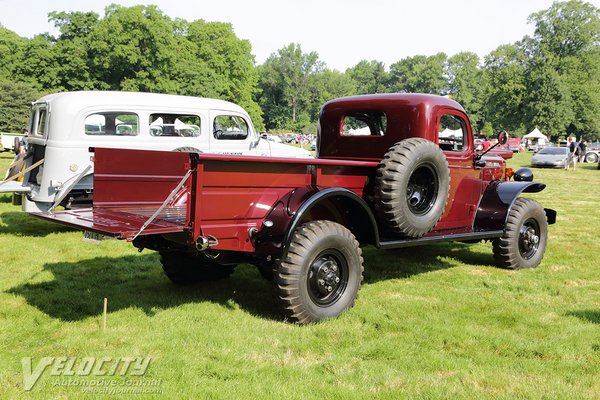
point(514, 144)
point(554, 157)
point(271, 138)
point(592, 154)
point(290, 138)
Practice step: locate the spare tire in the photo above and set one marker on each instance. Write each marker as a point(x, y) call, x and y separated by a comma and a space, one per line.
point(411, 188)
point(17, 145)
point(187, 149)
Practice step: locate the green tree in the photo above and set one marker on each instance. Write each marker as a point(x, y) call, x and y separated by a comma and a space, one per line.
point(369, 77)
point(548, 104)
point(505, 70)
point(285, 83)
point(467, 84)
point(567, 29)
point(566, 39)
point(326, 85)
point(419, 74)
point(228, 61)
point(11, 46)
point(37, 64)
point(15, 105)
point(133, 49)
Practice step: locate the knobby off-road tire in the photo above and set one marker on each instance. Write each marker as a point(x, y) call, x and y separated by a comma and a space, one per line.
point(525, 236)
point(411, 189)
point(185, 269)
point(17, 145)
point(321, 273)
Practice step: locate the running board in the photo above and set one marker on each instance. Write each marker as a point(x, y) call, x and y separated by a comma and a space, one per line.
point(394, 244)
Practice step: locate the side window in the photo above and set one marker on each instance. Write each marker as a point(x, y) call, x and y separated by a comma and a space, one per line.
point(230, 127)
point(182, 125)
point(364, 123)
point(452, 133)
point(112, 124)
point(40, 129)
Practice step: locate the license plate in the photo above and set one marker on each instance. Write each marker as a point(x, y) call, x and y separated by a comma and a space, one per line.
point(94, 237)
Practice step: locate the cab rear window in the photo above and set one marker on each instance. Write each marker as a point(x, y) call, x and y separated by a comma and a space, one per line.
point(364, 123)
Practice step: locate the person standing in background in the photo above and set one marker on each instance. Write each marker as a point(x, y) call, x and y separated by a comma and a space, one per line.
point(582, 147)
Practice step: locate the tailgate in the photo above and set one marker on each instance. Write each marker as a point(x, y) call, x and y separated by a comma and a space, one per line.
point(121, 224)
point(135, 192)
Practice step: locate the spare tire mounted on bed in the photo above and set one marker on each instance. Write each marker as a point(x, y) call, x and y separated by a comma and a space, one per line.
point(411, 189)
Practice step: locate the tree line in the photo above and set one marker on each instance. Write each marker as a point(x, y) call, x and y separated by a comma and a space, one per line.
point(550, 80)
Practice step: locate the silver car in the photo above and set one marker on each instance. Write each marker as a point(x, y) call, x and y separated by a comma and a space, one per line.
point(552, 157)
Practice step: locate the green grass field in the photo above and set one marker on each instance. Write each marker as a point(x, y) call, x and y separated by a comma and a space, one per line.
point(431, 322)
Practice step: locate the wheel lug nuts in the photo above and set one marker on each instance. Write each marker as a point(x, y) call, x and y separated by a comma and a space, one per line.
point(325, 269)
point(334, 268)
point(329, 288)
point(321, 282)
point(337, 280)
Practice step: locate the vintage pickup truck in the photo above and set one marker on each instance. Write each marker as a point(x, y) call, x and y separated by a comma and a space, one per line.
point(382, 177)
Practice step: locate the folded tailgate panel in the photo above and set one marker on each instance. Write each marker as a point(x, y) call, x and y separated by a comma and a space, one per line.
point(122, 224)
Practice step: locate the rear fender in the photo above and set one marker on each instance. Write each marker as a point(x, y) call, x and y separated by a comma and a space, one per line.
point(306, 204)
point(497, 201)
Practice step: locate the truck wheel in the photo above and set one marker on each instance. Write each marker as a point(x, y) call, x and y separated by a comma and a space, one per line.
point(412, 187)
point(184, 268)
point(591, 158)
point(187, 149)
point(321, 273)
point(17, 145)
point(525, 236)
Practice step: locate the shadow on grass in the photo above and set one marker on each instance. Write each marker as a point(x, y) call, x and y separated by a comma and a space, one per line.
point(587, 315)
point(406, 262)
point(20, 223)
point(77, 290)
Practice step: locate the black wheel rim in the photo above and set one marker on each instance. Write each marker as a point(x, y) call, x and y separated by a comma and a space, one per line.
point(529, 238)
point(327, 277)
point(422, 190)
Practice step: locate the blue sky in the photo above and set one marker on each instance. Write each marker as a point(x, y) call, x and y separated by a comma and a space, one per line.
point(341, 32)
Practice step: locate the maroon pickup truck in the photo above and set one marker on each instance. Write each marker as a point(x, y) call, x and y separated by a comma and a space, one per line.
point(383, 176)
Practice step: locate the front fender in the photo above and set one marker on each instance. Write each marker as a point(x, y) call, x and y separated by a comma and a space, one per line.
point(497, 201)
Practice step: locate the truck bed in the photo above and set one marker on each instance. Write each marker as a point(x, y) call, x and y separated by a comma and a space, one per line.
point(225, 196)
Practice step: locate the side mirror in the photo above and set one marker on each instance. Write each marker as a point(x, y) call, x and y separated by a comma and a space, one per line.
point(255, 142)
point(502, 137)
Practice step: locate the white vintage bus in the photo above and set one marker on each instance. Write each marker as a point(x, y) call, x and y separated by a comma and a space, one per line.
point(64, 126)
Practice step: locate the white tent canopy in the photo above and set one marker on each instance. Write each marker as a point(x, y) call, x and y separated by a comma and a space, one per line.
point(535, 134)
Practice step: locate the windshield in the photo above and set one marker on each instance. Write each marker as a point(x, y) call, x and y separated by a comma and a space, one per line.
point(553, 150)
